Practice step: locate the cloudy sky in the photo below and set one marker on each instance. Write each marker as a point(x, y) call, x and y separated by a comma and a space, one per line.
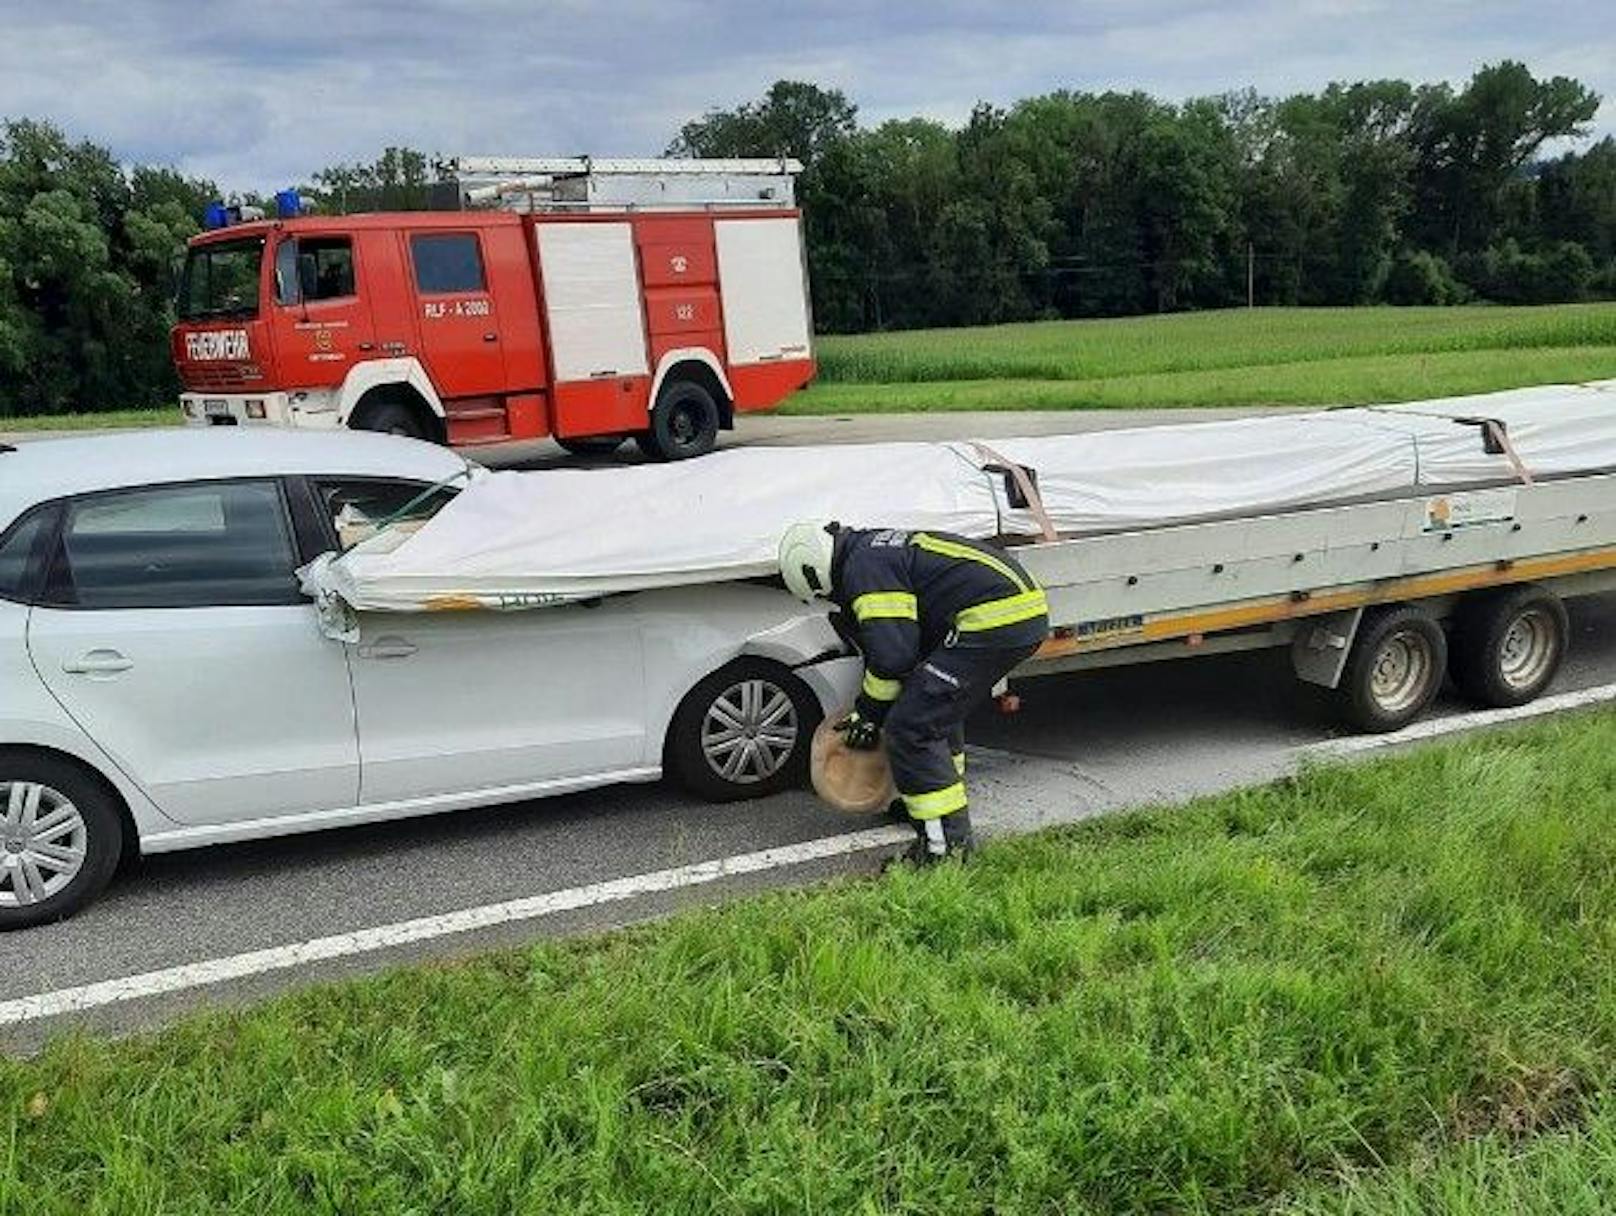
point(257, 93)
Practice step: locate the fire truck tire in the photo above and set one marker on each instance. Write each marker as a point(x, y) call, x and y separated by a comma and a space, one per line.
point(591, 445)
point(1395, 670)
point(743, 732)
point(1507, 645)
point(390, 418)
point(684, 423)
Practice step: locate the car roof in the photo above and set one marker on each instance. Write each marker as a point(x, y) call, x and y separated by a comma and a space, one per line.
point(41, 469)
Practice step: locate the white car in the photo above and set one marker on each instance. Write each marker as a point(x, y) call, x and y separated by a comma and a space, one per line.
point(164, 685)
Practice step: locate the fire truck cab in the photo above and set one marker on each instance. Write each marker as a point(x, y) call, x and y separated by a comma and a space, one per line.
point(593, 301)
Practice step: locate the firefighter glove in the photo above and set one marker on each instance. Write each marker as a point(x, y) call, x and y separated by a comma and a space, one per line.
point(859, 733)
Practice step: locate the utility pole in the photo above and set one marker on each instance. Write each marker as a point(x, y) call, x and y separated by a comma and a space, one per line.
point(1251, 275)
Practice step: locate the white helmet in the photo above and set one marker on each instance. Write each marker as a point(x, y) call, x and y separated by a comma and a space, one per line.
point(805, 556)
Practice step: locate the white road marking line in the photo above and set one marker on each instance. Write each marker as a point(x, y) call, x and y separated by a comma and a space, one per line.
point(364, 941)
point(1432, 728)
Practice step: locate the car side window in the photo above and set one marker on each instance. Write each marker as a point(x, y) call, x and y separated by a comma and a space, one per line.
point(198, 545)
point(358, 507)
point(18, 546)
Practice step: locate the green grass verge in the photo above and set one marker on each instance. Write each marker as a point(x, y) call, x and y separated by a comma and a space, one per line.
point(1342, 993)
point(1292, 357)
point(165, 416)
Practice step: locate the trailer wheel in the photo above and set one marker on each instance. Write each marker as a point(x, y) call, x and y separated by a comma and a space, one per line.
point(684, 423)
point(1395, 668)
point(743, 732)
point(1507, 646)
point(591, 445)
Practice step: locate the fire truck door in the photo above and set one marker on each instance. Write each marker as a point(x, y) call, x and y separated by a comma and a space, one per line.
point(460, 325)
point(323, 312)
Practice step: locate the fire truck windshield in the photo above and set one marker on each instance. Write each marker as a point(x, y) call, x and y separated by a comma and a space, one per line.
point(221, 280)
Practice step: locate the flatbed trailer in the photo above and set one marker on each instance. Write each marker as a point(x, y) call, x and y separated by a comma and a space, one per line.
point(1377, 600)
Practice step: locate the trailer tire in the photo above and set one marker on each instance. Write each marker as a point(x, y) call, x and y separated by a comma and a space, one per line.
point(591, 445)
point(684, 423)
point(1395, 669)
point(751, 691)
point(1507, 645)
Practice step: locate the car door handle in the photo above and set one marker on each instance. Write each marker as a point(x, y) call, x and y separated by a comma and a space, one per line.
point(387, 648)
point(490, 337)
point(97, 663)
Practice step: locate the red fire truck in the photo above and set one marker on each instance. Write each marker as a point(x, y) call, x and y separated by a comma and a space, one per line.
point(588, 300)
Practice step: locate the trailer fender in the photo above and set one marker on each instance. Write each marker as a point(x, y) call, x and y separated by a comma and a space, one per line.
point(380, 373)
point(1320, 649)
point(688, 354)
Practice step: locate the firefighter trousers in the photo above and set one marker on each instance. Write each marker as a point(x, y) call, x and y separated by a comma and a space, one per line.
point(925, 729)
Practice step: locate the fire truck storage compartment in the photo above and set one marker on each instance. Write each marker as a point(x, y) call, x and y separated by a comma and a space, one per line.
point(765, 297)
point(597, 325)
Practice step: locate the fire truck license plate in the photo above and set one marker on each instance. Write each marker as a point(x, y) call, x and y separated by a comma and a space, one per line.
point(216, 409)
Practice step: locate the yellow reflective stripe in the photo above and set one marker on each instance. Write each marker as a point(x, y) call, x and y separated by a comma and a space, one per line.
point(878, 688)
point(959, 763)
point(893, 605)
point(937, 803)
point(995, 614)
point(948, 548)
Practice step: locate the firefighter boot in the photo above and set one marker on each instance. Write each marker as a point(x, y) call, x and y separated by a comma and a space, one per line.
point(936, 840)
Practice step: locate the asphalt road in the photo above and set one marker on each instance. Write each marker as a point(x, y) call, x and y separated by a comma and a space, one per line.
point(1082, 745)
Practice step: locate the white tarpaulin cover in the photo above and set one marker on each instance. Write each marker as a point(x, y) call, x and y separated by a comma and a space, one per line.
point(516, 540)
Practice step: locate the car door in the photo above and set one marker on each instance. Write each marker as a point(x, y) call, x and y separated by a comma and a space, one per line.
point(171, 629)
point(453, 703)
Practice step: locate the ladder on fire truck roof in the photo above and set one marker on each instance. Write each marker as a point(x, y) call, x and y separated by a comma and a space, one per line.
point(582, 183)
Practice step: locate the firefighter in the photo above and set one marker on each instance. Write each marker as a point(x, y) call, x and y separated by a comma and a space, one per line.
point(941, 619)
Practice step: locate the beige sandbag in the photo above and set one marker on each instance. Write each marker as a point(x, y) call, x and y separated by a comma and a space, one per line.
point(853, 782)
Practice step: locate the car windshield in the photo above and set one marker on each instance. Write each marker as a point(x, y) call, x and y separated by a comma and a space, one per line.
point(221, 280)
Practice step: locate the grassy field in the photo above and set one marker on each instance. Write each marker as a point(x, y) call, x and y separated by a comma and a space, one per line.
point(1266, 357)
point(1272, 356)
point(1379, 989)
point(164, 416)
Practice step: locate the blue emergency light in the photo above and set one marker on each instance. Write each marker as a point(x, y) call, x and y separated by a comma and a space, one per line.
point(288, 205)
point(216, 215)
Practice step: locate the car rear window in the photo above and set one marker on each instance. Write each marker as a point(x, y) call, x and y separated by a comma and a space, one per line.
point(17, 546)
point(190, 546)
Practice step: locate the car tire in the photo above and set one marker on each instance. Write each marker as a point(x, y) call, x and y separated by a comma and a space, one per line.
point(1507, 646)
point(32, 886)
point(591, 445)
point(743, 732)
point(1395, 670)
point(390, 418)
point(684, 423)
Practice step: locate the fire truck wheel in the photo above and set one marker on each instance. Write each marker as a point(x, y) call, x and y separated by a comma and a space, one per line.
point(592, 445)
point(683, 424)
point(390, 418)
point(743, 732)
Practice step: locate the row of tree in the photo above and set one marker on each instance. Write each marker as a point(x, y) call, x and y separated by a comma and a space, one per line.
point(1070, 204)
point(1084, 204)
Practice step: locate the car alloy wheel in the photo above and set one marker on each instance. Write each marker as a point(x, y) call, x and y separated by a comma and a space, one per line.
point(43, 843)
point(750, 732)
